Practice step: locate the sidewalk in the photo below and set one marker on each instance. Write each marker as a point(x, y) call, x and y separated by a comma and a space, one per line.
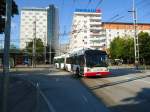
point(24, 68)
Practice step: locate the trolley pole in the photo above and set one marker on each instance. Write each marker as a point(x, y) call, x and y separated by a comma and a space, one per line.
point(6, 55)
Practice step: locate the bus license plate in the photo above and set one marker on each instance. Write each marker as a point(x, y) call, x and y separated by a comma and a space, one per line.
point(98, 74)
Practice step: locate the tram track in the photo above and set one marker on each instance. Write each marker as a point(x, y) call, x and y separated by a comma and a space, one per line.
point(119, 92)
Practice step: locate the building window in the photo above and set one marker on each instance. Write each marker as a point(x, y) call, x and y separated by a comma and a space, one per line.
point(85, 42)
point(44, 19)
point(85, 26)
point(40, 16)
point(75, 26)
point(85, 37)
point(85, 21)
point(26, 16)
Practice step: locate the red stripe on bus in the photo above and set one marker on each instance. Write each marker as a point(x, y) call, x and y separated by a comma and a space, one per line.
point(97, 73)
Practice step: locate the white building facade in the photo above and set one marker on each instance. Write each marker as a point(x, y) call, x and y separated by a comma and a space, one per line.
point(87, 31)
point(113, 30)
point(39, 23)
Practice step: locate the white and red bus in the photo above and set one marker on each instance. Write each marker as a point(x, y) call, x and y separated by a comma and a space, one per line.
point(59, 62)
point(87, 62)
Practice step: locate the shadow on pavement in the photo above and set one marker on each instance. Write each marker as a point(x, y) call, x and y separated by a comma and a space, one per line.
point(22, 96)
point(139, 103)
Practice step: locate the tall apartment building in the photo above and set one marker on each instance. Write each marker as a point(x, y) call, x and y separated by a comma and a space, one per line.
point(39, 23)
point(87, 29)
point(113, 30)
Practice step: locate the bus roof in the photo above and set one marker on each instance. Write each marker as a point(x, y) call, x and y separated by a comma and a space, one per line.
point(83, 51)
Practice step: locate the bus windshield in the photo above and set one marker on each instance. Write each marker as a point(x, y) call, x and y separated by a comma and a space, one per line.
point(96, 60)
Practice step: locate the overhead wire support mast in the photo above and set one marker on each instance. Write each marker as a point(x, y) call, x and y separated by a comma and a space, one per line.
point(34, 45)
point(6, 56)
point(136, 42)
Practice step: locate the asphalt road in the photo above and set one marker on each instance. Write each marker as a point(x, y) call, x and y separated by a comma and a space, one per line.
point(50, 91)
point(126, 90)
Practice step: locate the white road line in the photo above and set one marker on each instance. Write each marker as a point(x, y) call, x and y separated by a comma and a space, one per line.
point(47, 101)
point(85, 99)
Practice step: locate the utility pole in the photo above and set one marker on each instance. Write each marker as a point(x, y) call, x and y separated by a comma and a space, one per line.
point(6, 55)
point(33, 52)
point(34, 45)
point(50, 51)
point(136, 42)
point(45, 48)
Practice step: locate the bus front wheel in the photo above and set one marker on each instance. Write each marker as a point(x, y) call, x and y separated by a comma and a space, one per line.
point(77, 73)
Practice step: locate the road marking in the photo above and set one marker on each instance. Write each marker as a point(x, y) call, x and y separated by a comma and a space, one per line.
point(85, 99)
point(51, 108)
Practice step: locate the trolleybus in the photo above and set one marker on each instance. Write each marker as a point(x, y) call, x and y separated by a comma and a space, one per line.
point(87, 62)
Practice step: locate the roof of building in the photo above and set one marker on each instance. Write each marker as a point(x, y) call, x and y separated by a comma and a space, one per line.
point(124, 23)
point(37, 8)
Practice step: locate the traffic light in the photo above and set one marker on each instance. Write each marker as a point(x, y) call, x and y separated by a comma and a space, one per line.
point(3, 12)
point(2, 15)
point(2, 24)
point(2, 7)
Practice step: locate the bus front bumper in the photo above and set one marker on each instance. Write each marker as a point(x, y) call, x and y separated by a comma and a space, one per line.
point(105, 73)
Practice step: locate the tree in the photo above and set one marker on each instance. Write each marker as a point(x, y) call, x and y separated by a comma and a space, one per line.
point(3, 12)
point(39, 46)
point(122, 48)
point(39, 49)
point(144, 47)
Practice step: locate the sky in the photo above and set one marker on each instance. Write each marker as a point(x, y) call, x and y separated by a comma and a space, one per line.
point(112, 11)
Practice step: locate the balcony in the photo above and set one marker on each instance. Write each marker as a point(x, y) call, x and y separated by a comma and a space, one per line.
point(97, 34)
point(95, 18)
point(96, 28)
point(96, 23)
